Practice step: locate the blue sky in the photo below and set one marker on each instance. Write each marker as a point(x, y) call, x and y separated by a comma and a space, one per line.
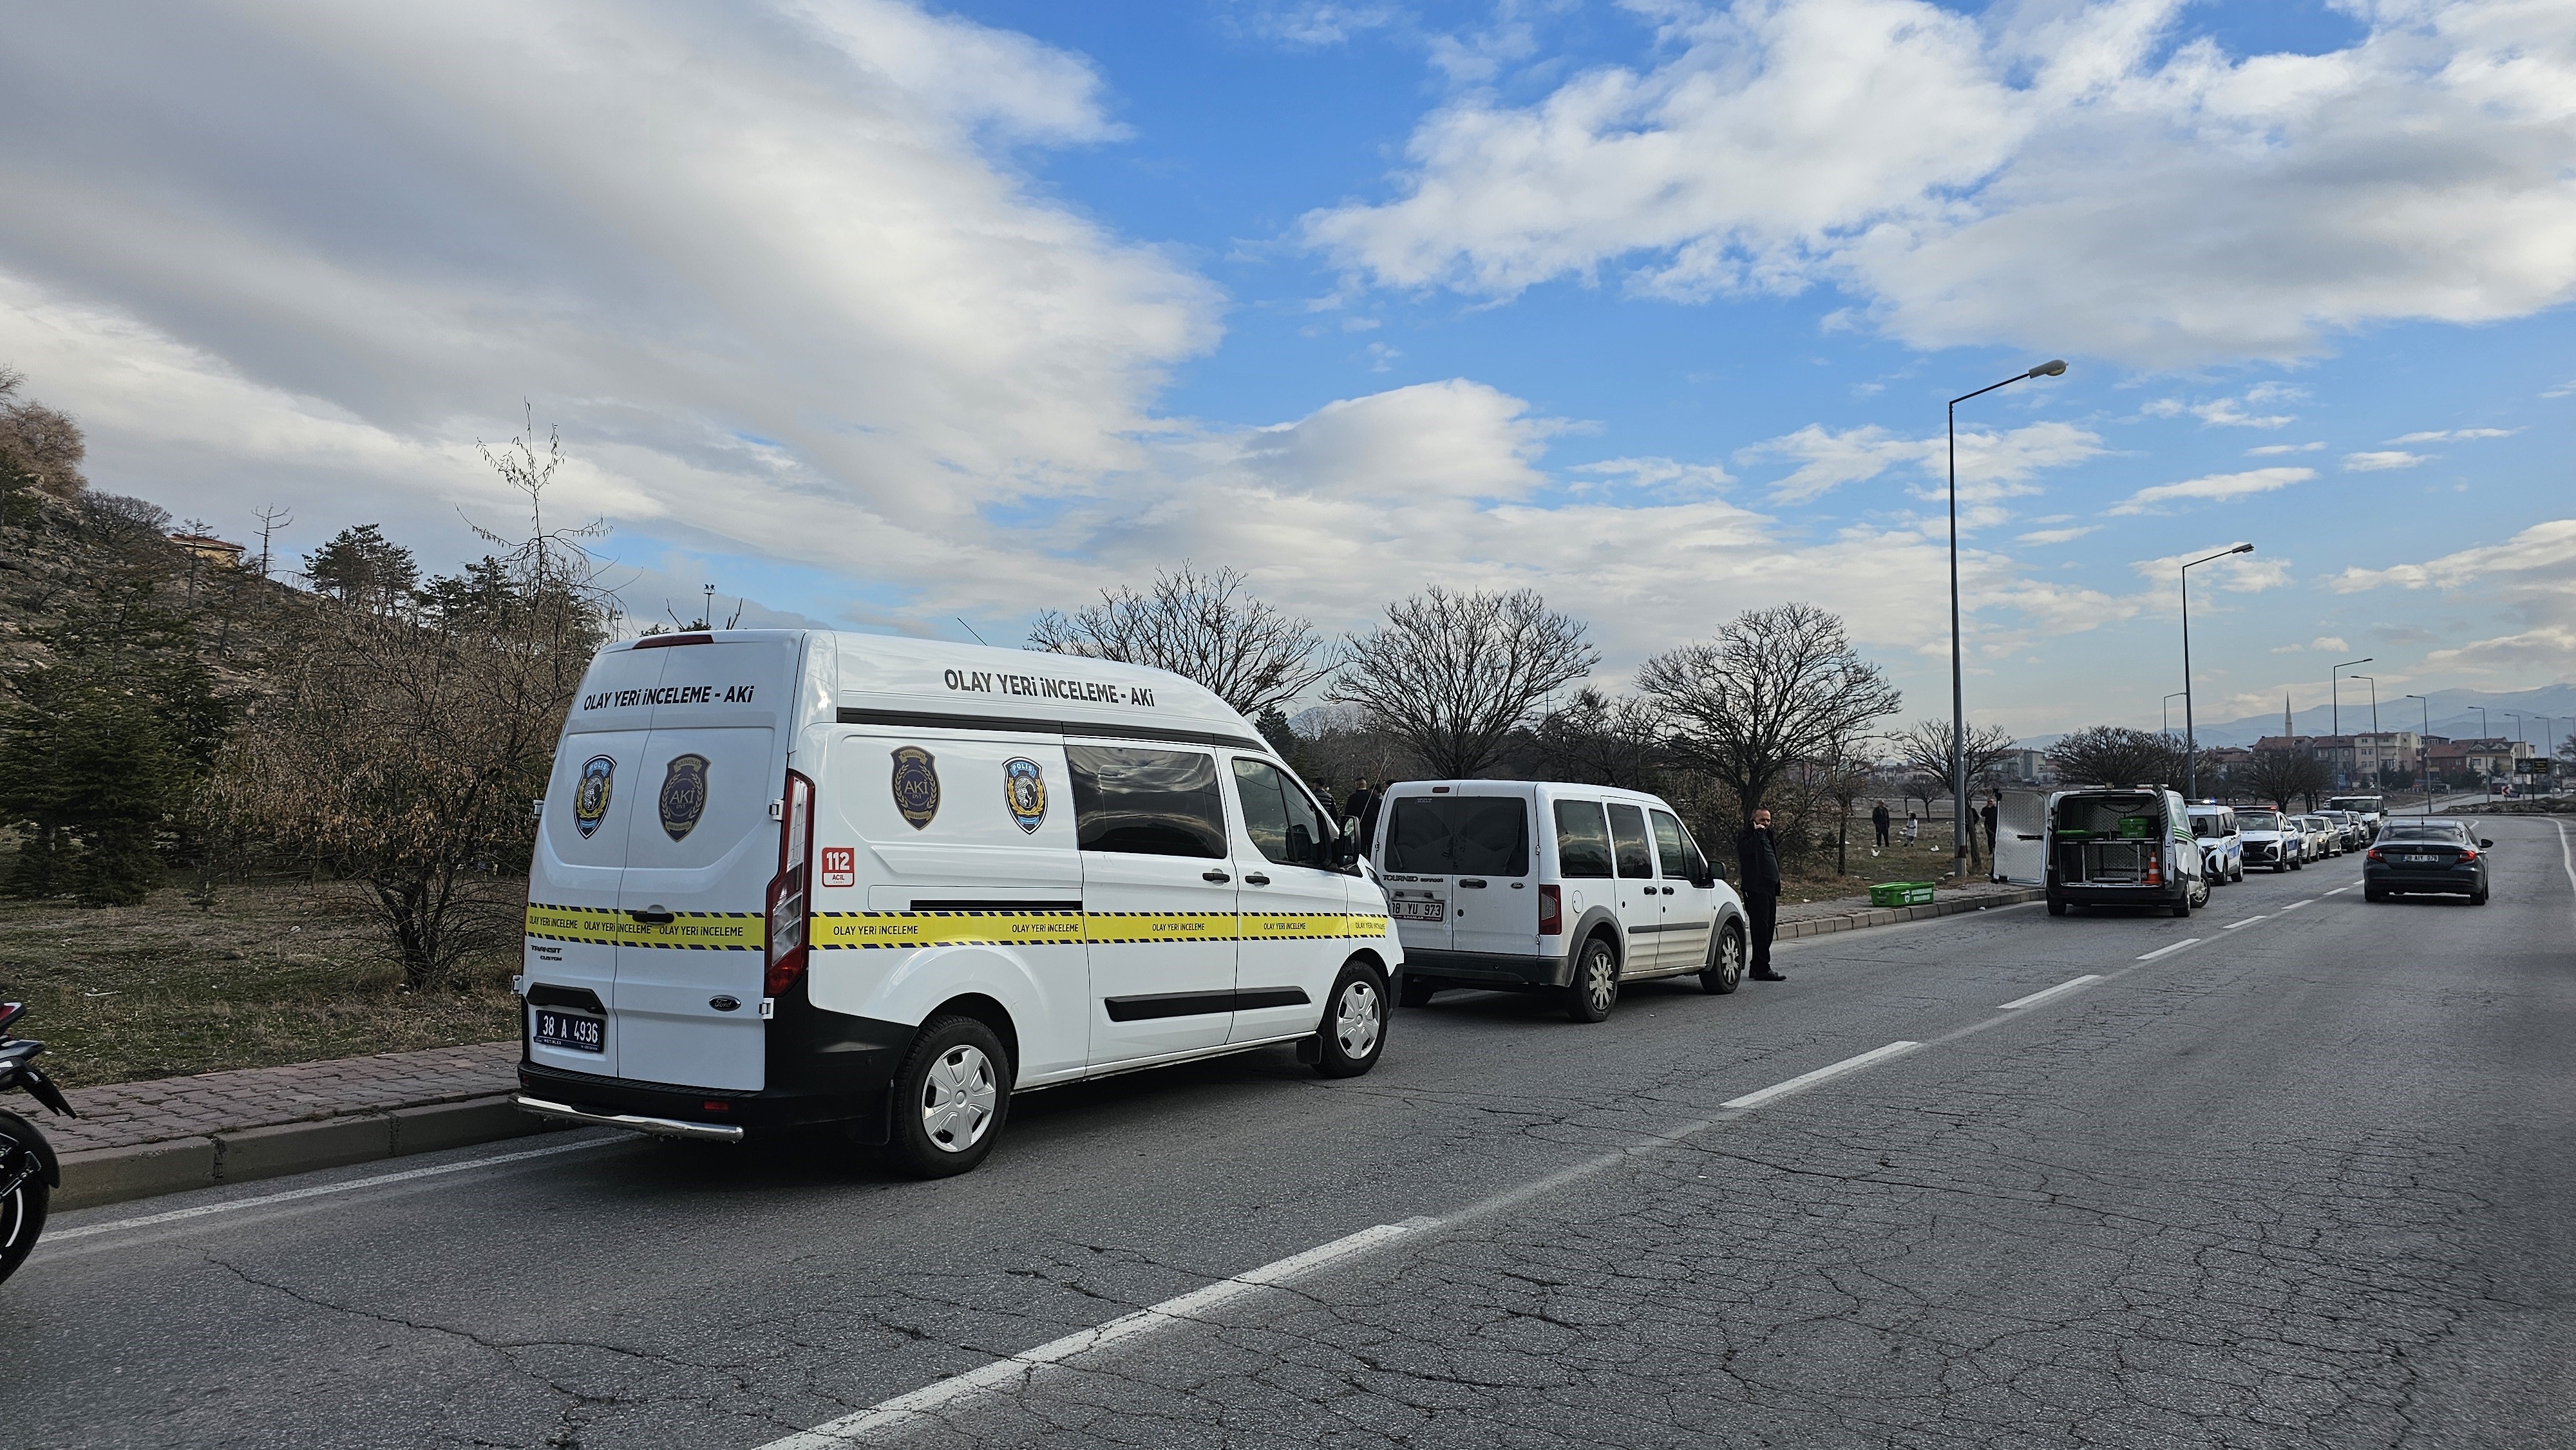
point(885, 316)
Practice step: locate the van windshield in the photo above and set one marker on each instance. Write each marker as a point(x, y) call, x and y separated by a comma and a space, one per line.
point(1459, 836)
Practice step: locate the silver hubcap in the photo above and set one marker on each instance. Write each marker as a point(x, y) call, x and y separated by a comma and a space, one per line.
point(1730, 956)
point(1600, 988)
point(1356, 1018)
point(958, 1097)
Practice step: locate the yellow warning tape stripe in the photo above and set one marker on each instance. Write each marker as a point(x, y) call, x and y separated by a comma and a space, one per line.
point(838, 929)
point(747, 931)
point(717, 931)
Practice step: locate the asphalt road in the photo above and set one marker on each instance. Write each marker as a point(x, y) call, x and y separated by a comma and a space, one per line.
point(2305, 1181)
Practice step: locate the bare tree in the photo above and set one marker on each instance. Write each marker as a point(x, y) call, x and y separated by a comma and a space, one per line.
point(1848, 771)
point(1776, 686)
point(401, 749)
point(2279, 776)
point(1923, 749)
point(1205, 627)
point(1453, 675)
point(2116, 755)
point(1602, 741)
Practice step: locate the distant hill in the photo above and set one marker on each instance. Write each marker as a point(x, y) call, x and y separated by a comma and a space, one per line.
point(2454, 715)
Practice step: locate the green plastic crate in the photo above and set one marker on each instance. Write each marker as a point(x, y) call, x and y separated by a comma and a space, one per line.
point(1901, 893)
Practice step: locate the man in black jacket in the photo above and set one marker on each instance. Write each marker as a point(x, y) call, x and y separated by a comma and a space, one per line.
point(1757, 869)
point(1878, 818)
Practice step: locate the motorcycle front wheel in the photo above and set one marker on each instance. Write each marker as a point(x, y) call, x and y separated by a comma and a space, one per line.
point(22, 1209)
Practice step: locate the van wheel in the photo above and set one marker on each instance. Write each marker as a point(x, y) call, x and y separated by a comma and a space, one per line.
point(1353, 1031)
point(1417, 991)
point(1596, 983)
point(951, 1095)
point(1726, 969)
point(2057, 906)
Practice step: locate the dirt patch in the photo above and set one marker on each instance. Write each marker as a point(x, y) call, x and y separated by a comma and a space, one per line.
point(268, 975)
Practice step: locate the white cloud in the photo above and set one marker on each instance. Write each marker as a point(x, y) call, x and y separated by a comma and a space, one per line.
point(2552, 648)
point(2229, 413)
point(2235, 573)
point(2213, 487)
point(2329, 642)
point(1661, 477)
point(769, 269)
point(1991, 465)
point(2544, 552)
point(2563, 390)
point(2275, 450)
point(2381, 461)
point(2447, 434)
point(2055, 536)
point(2053, 171)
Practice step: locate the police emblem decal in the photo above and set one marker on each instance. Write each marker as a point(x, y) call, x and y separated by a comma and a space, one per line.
point(1024, 787)
point(916, 785)
point(590, 797)
point(684, 795)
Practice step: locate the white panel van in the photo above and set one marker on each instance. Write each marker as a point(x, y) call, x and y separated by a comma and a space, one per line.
point(790, 877)
point(1541, 885)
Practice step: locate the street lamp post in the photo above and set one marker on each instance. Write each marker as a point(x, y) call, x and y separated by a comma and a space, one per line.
point(2190, 733)
point(1958, 691)
point(2424, 750)
point(2169, 699)
point(2374, 723)
point(2334, 692)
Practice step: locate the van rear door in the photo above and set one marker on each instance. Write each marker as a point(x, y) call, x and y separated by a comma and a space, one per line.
point(1416, 872)
point(701, 847)
point(576, 875)
point(1493, 906)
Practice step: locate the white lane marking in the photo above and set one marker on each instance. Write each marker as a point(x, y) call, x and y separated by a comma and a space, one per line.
point(202, 1210)
point(2035, 998)
point(2295, 905)
point(2189, 941)
point(2566, 860)
point(2233, 925)
point(2338, 891)
point(1017, 1368)
point(1806, 1080)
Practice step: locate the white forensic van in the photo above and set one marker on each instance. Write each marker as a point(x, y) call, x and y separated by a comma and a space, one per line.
point(1541, 885)
point(790, 877)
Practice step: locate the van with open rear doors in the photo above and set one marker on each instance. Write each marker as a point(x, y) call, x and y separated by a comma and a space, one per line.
point(1546, 886)
point(789, 877)
point(2124, 846)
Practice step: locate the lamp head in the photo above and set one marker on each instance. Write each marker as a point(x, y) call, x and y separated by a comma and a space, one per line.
point(2242, 549)
point(2049, 369)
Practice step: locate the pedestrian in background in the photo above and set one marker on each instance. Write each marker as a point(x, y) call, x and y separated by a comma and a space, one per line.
point(1757, 867)
point(1878, 818)
point(1913, 825)
point(1992, 806)
point(1363, 809)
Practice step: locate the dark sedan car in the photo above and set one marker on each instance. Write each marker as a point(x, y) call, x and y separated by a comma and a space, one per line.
point(2426, 856)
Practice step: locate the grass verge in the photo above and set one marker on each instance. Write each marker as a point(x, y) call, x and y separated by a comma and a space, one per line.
point(269, 974)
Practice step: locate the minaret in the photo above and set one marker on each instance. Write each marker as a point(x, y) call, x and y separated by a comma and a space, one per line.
point(2288, 729)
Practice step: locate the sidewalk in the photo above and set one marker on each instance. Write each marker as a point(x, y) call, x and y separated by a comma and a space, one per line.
point(1850, 913)
point(136, 1139)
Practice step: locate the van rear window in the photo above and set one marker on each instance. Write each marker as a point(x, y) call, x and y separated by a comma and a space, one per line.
point(1459, 836)
point(1146, 802)
point(1582, 840)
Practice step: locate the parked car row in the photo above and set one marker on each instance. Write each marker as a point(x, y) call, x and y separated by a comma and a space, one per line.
point(2143, 845)
point(797, 879)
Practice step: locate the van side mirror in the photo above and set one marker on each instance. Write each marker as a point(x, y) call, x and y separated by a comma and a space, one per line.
point(2483, 841)
point(1346, 849)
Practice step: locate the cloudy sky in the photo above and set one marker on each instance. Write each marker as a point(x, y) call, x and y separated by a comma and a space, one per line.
point(887, 315)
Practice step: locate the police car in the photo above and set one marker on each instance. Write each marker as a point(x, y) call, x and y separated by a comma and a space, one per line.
point(790, 877)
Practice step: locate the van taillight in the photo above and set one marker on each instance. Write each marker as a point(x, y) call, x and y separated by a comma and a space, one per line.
point(789, 897)
point(1551, 912)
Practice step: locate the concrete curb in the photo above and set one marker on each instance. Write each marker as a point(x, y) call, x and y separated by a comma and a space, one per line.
point(1891, 915)
point(113, 1175)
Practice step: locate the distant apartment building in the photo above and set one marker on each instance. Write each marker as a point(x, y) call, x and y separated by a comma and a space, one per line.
point(2366, 759)
point(2482, 759)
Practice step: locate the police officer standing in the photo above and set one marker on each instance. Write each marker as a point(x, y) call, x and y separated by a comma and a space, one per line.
point(1757, 866)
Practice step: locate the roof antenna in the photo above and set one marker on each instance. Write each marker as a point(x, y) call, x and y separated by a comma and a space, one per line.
point(970, 629)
